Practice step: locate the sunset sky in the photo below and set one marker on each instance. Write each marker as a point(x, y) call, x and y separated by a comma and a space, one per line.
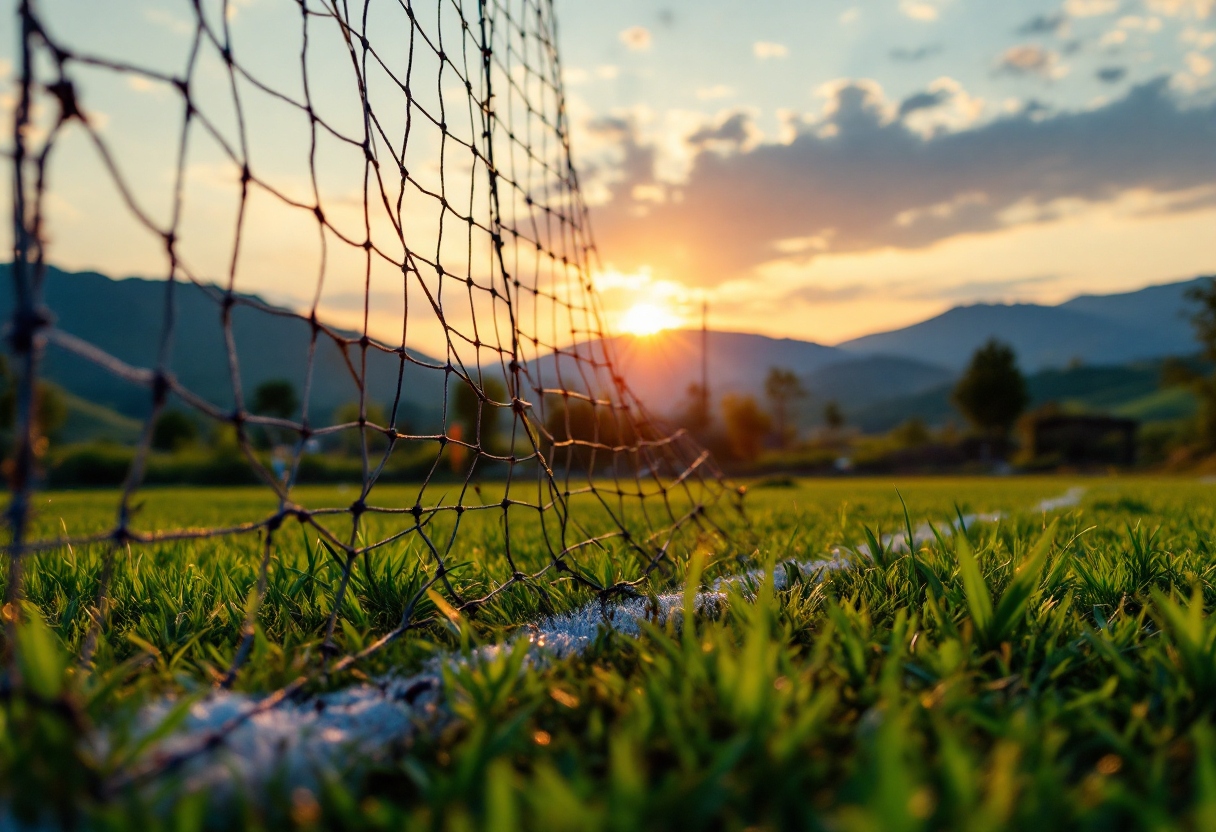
point(822, 170)
point(818, 170)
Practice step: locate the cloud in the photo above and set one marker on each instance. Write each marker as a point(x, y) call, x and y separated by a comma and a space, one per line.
point(1031, 59)
point(764, 50)
point(861, 178)
point(911, 56)
point(1197, 9)
point(1197, 38)
point(976, 291)
point(716, 91)
point(1045, 24)
point(922, 10)
point(733, 132)
point(1090, 8)
point(636, 38)
point(1111, 74)
point(849, 16)
point(923, 101)
point(1197, 64)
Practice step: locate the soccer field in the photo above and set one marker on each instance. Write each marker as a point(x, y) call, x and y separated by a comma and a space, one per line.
point(1052, 666)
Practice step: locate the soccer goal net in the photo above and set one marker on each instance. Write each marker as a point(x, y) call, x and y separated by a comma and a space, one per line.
point(370, 276)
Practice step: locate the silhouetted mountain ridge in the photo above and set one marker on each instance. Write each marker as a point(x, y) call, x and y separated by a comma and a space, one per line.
point(123, 318)
point(1093, 329)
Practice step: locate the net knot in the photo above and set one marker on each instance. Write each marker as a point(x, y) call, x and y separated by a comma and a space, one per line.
point(26, 324)
point(65, 93)
point(160, 387)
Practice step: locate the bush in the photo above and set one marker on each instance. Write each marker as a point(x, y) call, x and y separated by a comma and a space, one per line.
point(173, 431)
point(89, 466)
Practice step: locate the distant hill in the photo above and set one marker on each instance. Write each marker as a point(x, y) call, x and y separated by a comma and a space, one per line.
point(1105, 329)
point(660, 367)
point(857, 383)
point(879, 380)
point(1163, 307)
point(123, 317)
point(1131, 390)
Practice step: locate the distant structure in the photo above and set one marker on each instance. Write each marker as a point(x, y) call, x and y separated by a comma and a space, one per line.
point(1081, 440)
point(705, 357)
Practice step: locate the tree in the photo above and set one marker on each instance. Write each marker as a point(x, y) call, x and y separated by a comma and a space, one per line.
point(276, 398)
point(351, 438)
point(832, 416)
point(1177, 373)
point(746, 426)
point(50, 409)
point(783, 390)
point(173, 431)
point(470, 412)
point(992, 392)
point(1204, 321)
point(912, 433)
point(694, 413)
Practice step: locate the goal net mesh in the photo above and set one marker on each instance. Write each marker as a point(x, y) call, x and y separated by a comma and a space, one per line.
point(407, 165)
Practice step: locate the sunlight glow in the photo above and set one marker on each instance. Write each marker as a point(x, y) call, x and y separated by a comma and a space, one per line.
point(647, 319)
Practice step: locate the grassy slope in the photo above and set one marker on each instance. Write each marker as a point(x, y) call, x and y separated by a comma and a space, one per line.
point(887, 697)
point(1131, 390)
point(90, 422)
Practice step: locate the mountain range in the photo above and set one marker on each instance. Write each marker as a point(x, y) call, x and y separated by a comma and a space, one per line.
point(1093, 329)
point(124, 318)
point(877, 379)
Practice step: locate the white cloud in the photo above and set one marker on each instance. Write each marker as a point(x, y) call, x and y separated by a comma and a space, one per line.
point(573, 76)
point(952, 108)
point(918, 10)
point(1113, 38)
point(1148, 24)
point(139, 83)
point(636, 38)
point(716, 91)
point(607, 72)
point(765, 49)
point(850, 15)
point(1090, 8)
point(1198, 65)
point(1197, 37)
point(1199, 9)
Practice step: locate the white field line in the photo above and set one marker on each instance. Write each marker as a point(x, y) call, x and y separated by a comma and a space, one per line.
point(328, 734)
point(924, 532)
point(300, 742)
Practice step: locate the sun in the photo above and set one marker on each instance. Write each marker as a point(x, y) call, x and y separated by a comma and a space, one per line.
point(647, 319)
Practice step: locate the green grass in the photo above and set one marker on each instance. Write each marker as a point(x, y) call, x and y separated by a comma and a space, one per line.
point(1163, 405)
point(1030, 674)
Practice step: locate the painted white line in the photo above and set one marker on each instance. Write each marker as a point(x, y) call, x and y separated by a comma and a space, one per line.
point(335, 734)
point(924, 532)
